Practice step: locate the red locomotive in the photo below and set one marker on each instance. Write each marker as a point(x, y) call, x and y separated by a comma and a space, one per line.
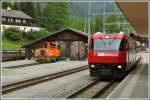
point(111, 55)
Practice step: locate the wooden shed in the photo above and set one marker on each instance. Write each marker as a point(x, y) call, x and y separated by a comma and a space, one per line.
point(73, 44)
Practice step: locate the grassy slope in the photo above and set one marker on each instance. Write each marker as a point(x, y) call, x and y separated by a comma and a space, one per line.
point(12, 45)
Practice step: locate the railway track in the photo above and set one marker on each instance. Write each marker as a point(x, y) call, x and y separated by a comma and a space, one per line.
point(96, 89)
point(93, 90)
point(27, 83)
point(24, 65)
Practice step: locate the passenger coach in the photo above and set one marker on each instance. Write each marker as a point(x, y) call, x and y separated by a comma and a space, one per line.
point(111, 55)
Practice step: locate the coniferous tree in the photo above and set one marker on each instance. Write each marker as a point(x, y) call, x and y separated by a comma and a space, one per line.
point(13, 5)
point(28, 8)
point(55, 16)
point(112, 23)
point(77, 23)
point(5, 5)
point(98, 24)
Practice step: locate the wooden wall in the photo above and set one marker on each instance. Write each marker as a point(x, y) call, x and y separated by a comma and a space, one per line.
point(75, 50)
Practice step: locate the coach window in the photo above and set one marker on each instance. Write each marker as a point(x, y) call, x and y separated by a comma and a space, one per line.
point(91, 44)
point(123, 45)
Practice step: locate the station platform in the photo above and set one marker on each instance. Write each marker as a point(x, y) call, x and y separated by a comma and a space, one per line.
point(135, 85)
point(16, 63)
point(10, 76)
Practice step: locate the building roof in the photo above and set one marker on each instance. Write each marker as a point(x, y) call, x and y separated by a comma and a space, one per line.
point(137, 14)
point(139, 38)
point(15, 14)
point(83, 34)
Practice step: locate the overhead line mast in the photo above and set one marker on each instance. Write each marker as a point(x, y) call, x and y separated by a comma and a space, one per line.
point(104, 18)
point(89, 12)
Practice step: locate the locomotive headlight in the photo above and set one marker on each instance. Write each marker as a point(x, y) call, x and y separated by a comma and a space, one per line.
point(92, 66)
point(119, 66)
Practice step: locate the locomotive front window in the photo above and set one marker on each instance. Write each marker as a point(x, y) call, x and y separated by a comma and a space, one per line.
point(107, 44)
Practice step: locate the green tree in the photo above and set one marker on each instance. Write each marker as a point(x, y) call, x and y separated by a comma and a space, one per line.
point(31, 35)
point(11, 4)
point(111, 23)
point(55, 16)
point(77, 23)
point(42, 33)
point(16, 6)
point(98, 27)
point(37, 9)
point(5, 5)
point(37, 13)
point(127, 29)
point(28, 8)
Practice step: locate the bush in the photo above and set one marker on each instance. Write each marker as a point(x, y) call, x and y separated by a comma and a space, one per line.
point(12, 33)
point(42, 33)
point(15, 34)
point(42, 59)
point(24, 35)
point(31, 35)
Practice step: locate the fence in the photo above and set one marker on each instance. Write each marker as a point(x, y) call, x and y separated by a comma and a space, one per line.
point(9, 55)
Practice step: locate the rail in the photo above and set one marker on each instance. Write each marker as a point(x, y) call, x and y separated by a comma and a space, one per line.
point(95, 94)
point(23, 84)
point(23, 65)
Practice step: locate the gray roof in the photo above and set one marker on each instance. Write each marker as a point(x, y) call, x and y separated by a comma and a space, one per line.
point(15, 14)
point(64, 29)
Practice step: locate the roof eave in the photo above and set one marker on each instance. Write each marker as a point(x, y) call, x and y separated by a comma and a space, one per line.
point(76, 31)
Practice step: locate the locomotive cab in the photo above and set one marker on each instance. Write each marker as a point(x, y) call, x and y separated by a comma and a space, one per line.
point(49, 52)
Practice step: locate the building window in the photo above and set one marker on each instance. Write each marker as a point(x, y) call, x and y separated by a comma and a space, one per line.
point(18, 21)
point(24, 21)
point(11, 19)
point(4, 19)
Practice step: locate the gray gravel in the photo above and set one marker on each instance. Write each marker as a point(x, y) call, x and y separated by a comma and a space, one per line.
point(55, 88)
point(93, 90)
point(67, 89)
point(19, 74)
point(16, 63)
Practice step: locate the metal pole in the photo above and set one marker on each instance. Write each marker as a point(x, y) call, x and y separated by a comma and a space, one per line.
point(89, 12)
point(118, 22)
point(78, 52)
point(115, 9)
point(85, 25)
point(104, 18)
